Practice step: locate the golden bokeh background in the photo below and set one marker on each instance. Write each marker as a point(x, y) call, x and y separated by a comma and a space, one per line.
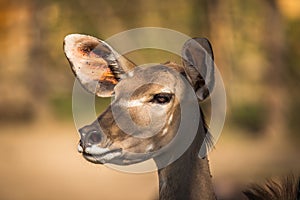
point(257, 49)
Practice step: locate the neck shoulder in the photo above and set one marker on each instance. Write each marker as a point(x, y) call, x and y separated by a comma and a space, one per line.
point(187, 178)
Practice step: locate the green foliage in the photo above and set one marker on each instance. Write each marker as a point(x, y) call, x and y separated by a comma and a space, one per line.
point(293, 51)
point(251, 117)
point(294, 118)
point(61, 105)
point(101, 104)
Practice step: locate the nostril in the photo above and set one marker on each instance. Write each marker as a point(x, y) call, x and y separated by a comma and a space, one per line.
point(93, 137)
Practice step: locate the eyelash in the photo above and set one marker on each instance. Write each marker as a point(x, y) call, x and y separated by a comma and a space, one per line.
point(162, 98)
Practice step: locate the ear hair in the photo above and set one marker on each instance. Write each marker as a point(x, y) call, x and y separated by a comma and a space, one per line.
point(96, 65)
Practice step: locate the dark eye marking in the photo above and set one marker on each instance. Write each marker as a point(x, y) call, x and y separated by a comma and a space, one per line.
point(162, 98)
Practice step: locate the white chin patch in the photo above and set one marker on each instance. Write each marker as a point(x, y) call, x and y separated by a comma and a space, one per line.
point(103, 155)
point(95, 150)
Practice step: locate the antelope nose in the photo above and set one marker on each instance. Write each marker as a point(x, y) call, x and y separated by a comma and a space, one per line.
point(88, 139)
point(93, 137)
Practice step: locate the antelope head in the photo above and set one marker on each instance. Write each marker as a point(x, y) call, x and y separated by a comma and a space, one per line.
point(144, 115)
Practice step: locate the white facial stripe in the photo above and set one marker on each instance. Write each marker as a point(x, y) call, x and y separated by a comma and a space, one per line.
point(133, 103)
point(165, 131)
point(166, 90)
point(169, 122)
point(170, 119)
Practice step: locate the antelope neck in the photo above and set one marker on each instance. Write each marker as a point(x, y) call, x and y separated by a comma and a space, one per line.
point(188, 178)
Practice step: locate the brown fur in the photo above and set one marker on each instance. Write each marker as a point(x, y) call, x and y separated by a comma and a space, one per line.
point(285, 188)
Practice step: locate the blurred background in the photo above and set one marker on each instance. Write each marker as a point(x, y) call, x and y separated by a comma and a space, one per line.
point(257, 50)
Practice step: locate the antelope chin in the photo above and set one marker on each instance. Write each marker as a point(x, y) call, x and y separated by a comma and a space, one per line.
point(128, 158)
point(100, 155)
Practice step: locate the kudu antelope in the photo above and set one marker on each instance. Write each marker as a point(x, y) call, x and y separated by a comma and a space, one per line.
point(104, 72)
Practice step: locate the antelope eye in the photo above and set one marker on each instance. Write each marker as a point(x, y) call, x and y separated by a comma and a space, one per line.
point(162, 98)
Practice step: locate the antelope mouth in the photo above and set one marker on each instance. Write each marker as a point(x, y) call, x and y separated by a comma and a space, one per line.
point(100, 155)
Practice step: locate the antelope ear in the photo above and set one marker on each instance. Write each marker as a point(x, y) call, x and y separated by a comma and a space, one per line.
point(197, 56)
point(97, 66)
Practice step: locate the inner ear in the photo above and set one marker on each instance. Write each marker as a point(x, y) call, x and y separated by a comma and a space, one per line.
point(197, 57)
point(90, 47)
point(96, 65)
